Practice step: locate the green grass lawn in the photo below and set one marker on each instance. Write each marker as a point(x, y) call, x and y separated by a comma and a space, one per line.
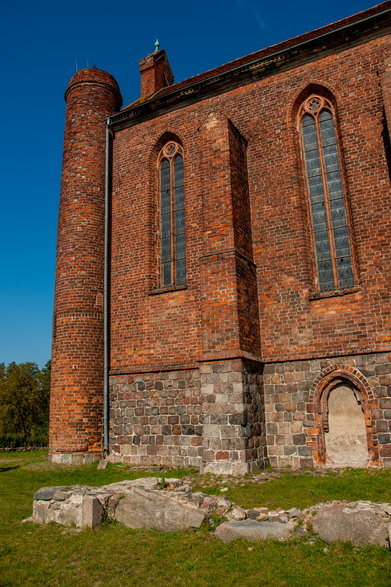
point(114, 555)
point(292, 490)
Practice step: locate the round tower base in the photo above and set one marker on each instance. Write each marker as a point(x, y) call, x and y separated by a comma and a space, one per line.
point(75, 458)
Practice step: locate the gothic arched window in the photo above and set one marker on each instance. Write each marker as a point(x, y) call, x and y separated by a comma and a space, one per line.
point(330, 229)
point(172, 246)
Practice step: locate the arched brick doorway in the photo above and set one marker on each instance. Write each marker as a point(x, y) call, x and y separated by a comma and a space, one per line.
point(342, 403)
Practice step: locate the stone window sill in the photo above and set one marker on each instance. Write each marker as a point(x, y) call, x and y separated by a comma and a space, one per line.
point(162, 290)
point(320, 295)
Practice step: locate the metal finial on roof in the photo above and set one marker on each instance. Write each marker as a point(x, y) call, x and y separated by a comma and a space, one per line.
point(157, 45)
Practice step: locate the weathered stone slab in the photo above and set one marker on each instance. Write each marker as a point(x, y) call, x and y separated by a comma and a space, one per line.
point(147, 483)
point(147, 509)
point(252, 530)
point(294, 512)
point(47, 493)
point(122, 487)
point(356, 522)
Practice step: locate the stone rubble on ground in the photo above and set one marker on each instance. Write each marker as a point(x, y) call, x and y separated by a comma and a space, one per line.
point(359, 522)
point(152, 502)
point(149, 502)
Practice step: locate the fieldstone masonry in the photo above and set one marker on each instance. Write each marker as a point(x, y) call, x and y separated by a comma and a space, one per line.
point(236, 416)
point(233, 416)
point(211, 419)
point(293, 434)
point(156, 418)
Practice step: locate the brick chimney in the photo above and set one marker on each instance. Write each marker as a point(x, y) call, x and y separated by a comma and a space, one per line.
point(155, 73)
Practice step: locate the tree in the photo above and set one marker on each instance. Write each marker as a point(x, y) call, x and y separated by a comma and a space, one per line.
point(24, 401)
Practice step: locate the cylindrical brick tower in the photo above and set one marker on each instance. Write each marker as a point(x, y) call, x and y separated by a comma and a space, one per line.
point(76, 404)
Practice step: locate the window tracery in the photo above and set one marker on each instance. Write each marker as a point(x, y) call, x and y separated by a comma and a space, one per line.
point(330, 230)
point(172, 246)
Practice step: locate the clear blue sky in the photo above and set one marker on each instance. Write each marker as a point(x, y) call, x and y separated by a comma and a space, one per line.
point(40, 43)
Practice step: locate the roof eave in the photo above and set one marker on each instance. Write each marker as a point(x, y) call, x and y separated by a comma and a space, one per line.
point(337, 40)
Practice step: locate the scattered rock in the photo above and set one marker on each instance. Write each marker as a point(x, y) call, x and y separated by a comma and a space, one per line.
point(183, 488)
point(222, 505)
point(294, 512)
point(252, 514)
point(169, 505)
point(252, 530)
point(238, 513)
point(262, 510)
point(274, 516)
point(174, 483)
point(299, 531)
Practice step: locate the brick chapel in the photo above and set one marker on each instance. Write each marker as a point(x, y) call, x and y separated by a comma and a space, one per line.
point(224, 263)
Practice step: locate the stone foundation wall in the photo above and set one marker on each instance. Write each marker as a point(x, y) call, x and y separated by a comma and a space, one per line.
point(211, 419)
point(234, 423)
point(155, 418)
point(292, 411)
point(234, 416)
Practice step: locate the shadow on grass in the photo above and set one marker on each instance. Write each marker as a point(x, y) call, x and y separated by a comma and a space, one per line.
point(4, 469)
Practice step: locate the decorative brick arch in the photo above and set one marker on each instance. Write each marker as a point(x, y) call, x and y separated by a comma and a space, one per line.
point(310, 87)
point(160, 141)
point(324, 383)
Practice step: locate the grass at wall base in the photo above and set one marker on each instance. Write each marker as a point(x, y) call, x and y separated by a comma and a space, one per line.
point(114, 555)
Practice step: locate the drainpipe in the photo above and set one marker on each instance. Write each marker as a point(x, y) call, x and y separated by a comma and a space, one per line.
point(106, 334)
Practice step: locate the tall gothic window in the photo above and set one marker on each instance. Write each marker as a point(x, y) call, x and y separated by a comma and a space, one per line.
point(172, 216)
point(326, 194)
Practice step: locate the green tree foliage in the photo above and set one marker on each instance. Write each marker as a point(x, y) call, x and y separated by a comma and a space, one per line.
point(24, 404)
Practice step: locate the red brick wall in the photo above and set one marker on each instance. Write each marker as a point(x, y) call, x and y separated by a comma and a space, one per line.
point(77, 359)
point(150, 328)
point(167, 328)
